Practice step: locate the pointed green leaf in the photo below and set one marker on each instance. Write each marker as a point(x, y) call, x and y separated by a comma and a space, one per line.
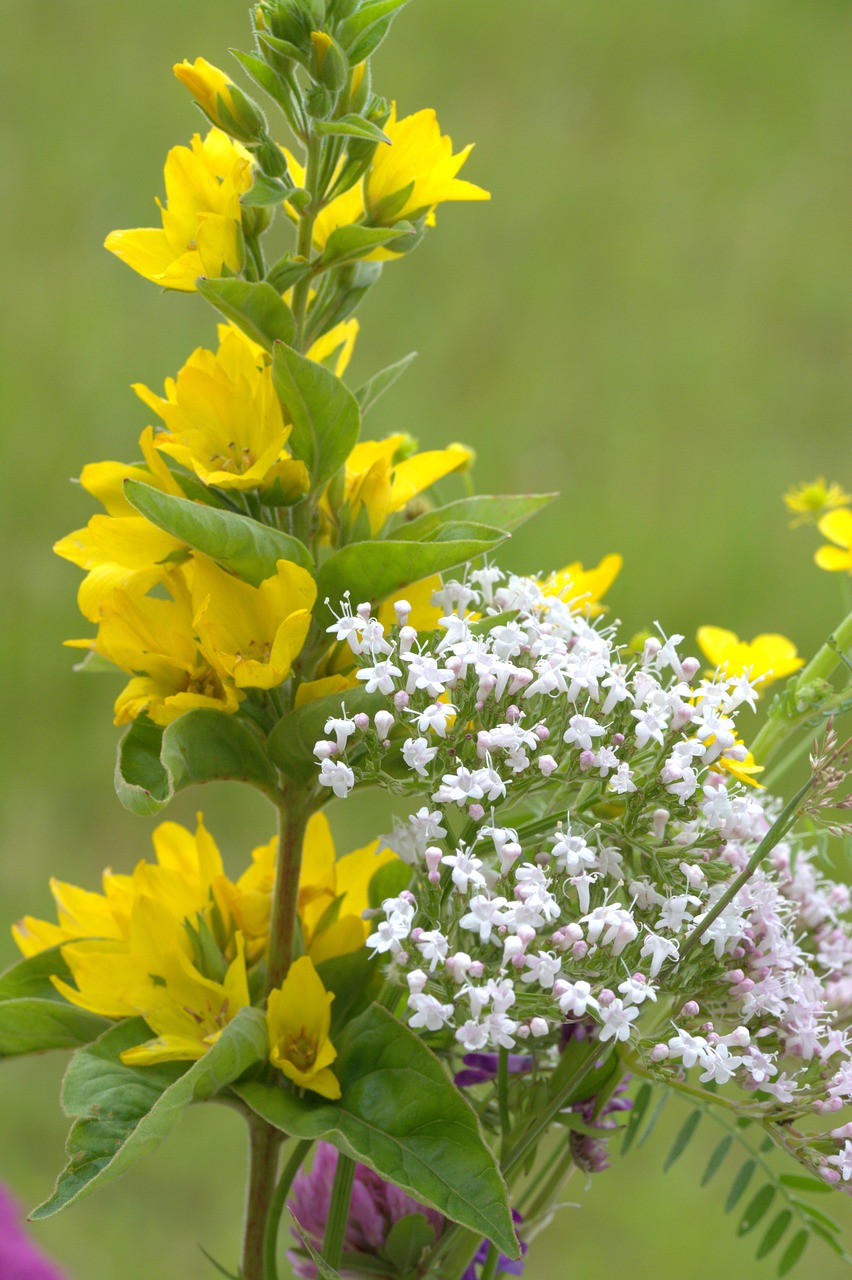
point(362, 34)
point(400, 1114)
point(716, 1159)
point(802, 1182)
point(324, 411)
point(35, 1026)
point(291, 742)
point(793, 1253)
point(351, 126)
point(756, 1209)
point(655, 1115)
point(743, 1178)
point(374, 570)
point(238, 543)
point(201, 746)
point(498, 511)
point(255, 306)
point(347, 244)
point(287, 272)
point(264, 192)
point(815, 1215)
point(325, 1271)
point(374, 388)
point(774, 1232)
point(452, 531)
point(29, 979)
point(637, 1115)
point(682, 1139)
point(123, 1112)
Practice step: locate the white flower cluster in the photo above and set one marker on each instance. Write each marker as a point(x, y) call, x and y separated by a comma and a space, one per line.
point(582, 808)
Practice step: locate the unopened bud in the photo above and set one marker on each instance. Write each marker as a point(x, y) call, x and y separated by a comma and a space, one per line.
point(383, 720)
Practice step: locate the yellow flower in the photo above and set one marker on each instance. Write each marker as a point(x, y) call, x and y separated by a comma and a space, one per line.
point(223, 418)
point(837, 526)
point(421, 155)
point(187, 1010)
point(201, 218)
point(120, 553)
point(807, 501)
point(105, 480)
point(583, 588)
point(383, 487)
point(299, 1019)
point(155, 641)
point(325, 881)
point(253, 634)
point(743, 770)
point(220, 99)
point(766, 657)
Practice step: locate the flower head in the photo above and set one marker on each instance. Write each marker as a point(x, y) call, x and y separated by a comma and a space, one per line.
point(808, 501)
point(767, 657)
point(299, 1018)
point(837, 527)
point(220, 99)
point(200, 235)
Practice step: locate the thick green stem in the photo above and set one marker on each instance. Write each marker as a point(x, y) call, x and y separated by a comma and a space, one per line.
point(338, 1210)
point(276, 1208)
point(285, 901)
point(492, 1261)
point(305, 240)
point(264, 1142)
point(776, 832)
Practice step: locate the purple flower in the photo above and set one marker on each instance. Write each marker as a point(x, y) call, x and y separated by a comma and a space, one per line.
point(482, 1067)
point(19, 1259)
point(505, 1265)
point(375, 1206)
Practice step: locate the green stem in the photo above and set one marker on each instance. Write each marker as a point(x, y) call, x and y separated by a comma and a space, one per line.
point(304, 244)
point(776, 832)
point(338, 1210)
point(794, 754)
point(264, 1142)
point(503, 1099)
point(544, 1199)
point(489, 1267)
point(293, 821)
point(276, 1208)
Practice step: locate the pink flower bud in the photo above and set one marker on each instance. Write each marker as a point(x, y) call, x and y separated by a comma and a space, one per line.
point(659, 821)
point(587, 759)
point(547, 765)
point(829, 1175)
point(383, 720)
point(325, 750)
point(660, 1052)
point(513, 714)
point(476, 969)
point(689, 1010)
point(476, 812)
point(361, 721)
point(617, 739)
point(542, 732)
point(523, 1032)
point(690, 667)
point(364, 610)
point(845, 1131)
point(539, 1027)
point(606, 998)
point(579, 950)
point(400, 700)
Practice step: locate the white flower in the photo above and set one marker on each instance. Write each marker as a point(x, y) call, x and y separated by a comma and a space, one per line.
point(417, 754)
point(428, 1012)
point(689, 1048)
point(435, 717)
point(581, 730)
point(465, 870)
point(659, 949)
point(433, 947)
point(472, 1036)
point(338, 776)
point(622, 780)
point(843, 1161)
point(575, 998)
point(543, 969)
point(379, 678)
point(483, 916)
point(616, 1018)
point(636, 990)
point(341, 727)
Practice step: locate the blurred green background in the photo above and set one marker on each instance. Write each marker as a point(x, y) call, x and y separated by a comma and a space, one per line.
point(653, 316)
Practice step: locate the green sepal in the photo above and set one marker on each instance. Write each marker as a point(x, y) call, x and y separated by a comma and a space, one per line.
point(236, 542)
point(374, 570)
point(352, 126)
point(256, 307)
point(287, 272)
point(503, 512)
point(124, 1112)
point(374, 388)
point(323, 410)
point(348, 244)
point(391, 206)
point(400, 1115)
point(272, 81)
point(406, 1242)
point(202, 745)
point(266, 191)
point(34, 1017)
point(291, 742)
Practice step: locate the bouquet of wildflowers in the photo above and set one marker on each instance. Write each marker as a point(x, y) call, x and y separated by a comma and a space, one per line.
point(589, 900)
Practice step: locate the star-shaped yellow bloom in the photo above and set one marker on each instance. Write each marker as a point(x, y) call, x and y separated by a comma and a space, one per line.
point(837, 526)
point(767, 657)
point(373, 480)
point(299, 1019)
point(201, 217)
point(810, 500)
point(582, 588)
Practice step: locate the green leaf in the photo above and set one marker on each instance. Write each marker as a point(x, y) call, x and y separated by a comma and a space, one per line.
point(801, 1182)
point(325, 415)
point(400, 1115)
point(291, 742)
point(637, 1115)
point(756, 1209)
point(29, 979)
point(33, 1025)
point(655, 1115)
point(265, 191)
point(792, 1253)
point(123, 1112)
point(323, 1268)
point(287, 272)
point(238, 543)
point(682, 1139)
point(388, 882)
point(347, 244)
point(255, 306)
point(351, 126)
point(362, 34)
point(374, 388)
point(352, 978)
point(716, 1159)
point(452, 531)
point(774, 1232)
point(374, 570)
point(201, 746)
point(490, 509)
point(406, 1241)
point(743, 1178)
point(815, 1215)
